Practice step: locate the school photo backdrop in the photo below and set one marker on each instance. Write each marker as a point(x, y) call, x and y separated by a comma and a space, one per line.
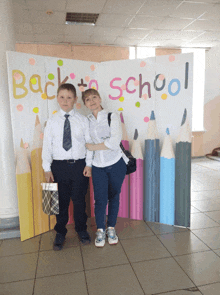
point(153, 97)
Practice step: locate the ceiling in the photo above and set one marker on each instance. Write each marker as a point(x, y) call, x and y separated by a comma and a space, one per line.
point(153, 23)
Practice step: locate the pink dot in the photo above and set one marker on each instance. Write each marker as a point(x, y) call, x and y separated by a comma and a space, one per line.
point(72, 76)
point(136, 83)
point(17, 76)
point(25, 145)
point(171, 58)
point(78, 106)
point(123, 87)
point(143, 64)
point(144, 96)
point(92, 68)
point(161, 77)
point(41, 136)
point(20, 107)
point(87, 78)
point(146, 119)
point(81, 88)
point(32, 61)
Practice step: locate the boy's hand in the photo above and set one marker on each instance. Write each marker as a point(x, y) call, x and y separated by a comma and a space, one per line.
point(90, 146)
point(49, 176)
point(87, 171)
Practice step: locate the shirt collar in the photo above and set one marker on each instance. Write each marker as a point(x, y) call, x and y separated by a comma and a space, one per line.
point(71, 113)
point(101, 113)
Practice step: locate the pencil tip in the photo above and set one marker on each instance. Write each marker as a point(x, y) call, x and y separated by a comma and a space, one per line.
point(152, 116)
point(135, 134)
point(121, 116)
point(22, 143)
point(184, 117)
point(167, 131)
point(37, 122)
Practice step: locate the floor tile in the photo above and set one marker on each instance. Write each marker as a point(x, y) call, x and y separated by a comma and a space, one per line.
point(113, 280)
point(215, 215)
point(15, 246)
point(128, 229)
point(182, 243)
point(47, 240)
point(161, 275)
point(206, 205)
point(159, 228)
point(213, 289)
point(17, 288)
point(202, 268)
point(18, 268)
point(73, 283)
point(144, 249)
point(217, 251)
point(200, 220)
point(210, 236)
point(109, 255)
point(204, 195)
point(183, 292)
point(194, 210)
point(59, 262)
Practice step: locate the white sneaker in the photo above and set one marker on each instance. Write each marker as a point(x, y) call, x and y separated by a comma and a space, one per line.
point(100, 238)
point(112, 237)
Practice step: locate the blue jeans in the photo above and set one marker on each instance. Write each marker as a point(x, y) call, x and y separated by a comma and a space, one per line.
point(107, 184)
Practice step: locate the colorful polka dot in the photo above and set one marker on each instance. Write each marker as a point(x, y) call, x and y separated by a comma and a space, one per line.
point(143, 64)
point(81, 88)
point(171, 58)
point(36, 110)
point(121, 99)
point(123, 87)
point(120, 109)
point(87, 78)
point(93, 87)
point(72, 76)
point(146, 119)
point(78, 106)
point(34, 81)
point(92, 67)
point(17, 76)
point(20, 107)
point(50, 76)
point(60, 62)
point(137, 104)
point(164, 96)
point(136, 83)
point(144, 96)
point(161, 77)
point(44, 95)
point(32, 61)
point(54, 112)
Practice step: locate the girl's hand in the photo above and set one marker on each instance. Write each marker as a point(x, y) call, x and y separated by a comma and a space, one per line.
point(90, 146)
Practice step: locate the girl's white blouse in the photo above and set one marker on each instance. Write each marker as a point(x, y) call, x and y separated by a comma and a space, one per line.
point(111, 136)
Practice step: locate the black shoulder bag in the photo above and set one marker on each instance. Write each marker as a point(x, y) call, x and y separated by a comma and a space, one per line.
point(131, 166)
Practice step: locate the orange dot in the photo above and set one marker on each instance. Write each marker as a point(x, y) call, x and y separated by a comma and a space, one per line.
point(143, 64)
point(171, 58)
point(164, 96)
point(54, 112)
point(81, 88)
point(44, 95)
point(32, 61)
point(92, 67)
point(87, 78)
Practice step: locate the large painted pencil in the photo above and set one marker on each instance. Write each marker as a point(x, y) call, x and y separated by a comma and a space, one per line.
point(136, 181)
point(41, 220)
point(24, 191)
point(124, 196)
point(183, 174)
point(167, 182)
point(152, 173)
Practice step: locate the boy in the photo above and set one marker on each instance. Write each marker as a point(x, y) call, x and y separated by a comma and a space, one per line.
point(67, 162)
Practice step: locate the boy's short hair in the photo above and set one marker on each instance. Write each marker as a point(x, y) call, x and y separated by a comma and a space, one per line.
point(89, 92)
point(67, 86)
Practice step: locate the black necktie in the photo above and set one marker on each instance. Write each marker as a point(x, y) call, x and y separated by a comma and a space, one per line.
point(67, 141)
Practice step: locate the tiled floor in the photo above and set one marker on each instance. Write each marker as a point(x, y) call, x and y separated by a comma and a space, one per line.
point(150, 258)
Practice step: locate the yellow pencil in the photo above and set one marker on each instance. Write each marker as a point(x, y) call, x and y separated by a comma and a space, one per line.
point(24, 191)
point(41, 220)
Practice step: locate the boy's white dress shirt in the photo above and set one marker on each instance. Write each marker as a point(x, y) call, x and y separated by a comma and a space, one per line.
point(53, 139)
point(111, 136)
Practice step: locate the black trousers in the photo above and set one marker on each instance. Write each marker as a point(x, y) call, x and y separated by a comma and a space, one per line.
point(71, 184)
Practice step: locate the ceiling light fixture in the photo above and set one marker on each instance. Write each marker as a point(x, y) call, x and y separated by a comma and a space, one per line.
point(73, 18)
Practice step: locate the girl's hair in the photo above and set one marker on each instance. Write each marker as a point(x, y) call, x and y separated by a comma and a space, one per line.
point(67, 86)
point(89, 92)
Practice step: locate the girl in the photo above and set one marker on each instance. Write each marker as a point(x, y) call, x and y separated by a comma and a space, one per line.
point(108, 166)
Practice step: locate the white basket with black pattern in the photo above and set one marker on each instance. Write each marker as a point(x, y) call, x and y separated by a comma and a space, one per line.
point(50, 198)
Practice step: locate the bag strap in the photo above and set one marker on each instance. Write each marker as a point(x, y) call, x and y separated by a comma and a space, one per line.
point(109, 123)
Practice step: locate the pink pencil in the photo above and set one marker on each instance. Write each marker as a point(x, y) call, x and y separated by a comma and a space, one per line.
point(136, 181)
point(124, 196)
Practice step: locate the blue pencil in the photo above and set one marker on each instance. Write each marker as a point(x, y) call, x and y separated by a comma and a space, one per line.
point(167, 181)
point(183, 174)
point(152, 173)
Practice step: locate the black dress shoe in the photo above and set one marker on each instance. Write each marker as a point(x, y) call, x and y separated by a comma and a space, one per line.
point(84, 237)
point(58, 242)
